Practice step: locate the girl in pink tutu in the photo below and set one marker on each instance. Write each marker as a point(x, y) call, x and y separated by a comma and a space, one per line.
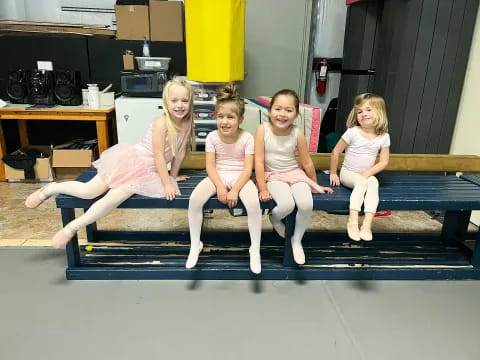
point(229, 161)
point(125, 169)
point(278, 173)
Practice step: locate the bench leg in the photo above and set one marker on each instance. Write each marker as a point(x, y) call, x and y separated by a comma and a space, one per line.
point(476, 254)
point(455, 226)
point(289, 229)
point(91, 231)
point(73, 252)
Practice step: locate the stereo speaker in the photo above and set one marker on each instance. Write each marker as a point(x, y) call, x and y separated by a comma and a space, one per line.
point(17, 86)
point(68, 89)
point(41, 86)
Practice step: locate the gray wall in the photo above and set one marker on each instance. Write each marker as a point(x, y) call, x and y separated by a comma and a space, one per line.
point(328, 43)
point(277, 42)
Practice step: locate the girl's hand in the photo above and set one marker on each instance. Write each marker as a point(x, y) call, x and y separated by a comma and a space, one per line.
point(222, 194)
point(326, 190)
point(334, 180)
point(232, 198)
point(182, 177)
point(170, 192)
point(264, 195)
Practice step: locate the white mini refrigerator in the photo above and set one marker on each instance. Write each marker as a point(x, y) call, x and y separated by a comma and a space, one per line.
point(134, 116)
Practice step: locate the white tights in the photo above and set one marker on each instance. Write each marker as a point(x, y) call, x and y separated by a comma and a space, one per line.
point(365, 190)
point(89, 190)
point(287, 196)
point(249, 196)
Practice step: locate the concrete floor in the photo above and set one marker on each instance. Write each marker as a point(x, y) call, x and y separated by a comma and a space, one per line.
point(43, 316)
point(46, 317)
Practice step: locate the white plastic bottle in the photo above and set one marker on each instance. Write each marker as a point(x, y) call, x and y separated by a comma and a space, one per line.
point(146, 49)
point(93, 96)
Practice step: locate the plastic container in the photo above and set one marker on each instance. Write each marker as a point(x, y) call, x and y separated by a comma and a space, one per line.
point(148, 63)
point(205, 91)
point(146, 49)
point(93, 96)
point(204, 112)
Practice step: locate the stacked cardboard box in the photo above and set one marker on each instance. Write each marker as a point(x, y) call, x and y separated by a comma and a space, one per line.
point(160, 21)
point(71, 159)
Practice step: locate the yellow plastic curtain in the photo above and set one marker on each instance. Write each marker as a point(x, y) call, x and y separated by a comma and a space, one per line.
point(215, 40)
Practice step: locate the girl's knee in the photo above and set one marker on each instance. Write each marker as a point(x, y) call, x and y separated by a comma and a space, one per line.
point(251, 204)
point(196, 203)
point(286, 205)
point(361, 182)
point(305, 207)
point(372, 181)
point(91, 195)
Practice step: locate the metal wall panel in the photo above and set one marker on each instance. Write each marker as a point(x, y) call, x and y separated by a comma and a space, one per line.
point(421, 56)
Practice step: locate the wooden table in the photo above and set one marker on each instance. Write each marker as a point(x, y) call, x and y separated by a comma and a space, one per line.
point(76, 113)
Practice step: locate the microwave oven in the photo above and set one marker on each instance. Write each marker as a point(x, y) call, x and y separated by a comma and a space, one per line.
point(144, 83)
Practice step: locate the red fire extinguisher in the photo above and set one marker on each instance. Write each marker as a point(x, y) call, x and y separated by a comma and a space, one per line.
point(321, 77)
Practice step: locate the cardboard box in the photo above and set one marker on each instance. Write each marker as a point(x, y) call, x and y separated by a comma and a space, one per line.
point(68, 173)
point(128, 62)
point(72, 158)
point(132, 22)
point(42, 168)
point(166, 20)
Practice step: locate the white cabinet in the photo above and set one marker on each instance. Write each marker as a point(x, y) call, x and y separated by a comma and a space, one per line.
point(134, 115)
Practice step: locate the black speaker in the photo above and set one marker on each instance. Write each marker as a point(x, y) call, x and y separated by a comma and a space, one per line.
point(41, 84)
point(68, 88)
point(17, 86)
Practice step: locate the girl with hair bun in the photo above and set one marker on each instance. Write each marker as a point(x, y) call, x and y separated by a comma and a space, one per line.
point(229, 161)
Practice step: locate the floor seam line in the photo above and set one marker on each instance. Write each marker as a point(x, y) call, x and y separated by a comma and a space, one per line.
point(350, 335)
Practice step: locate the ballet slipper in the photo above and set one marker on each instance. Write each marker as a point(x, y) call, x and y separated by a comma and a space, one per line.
point(366, 234)
point(298, 254)
point(255, 262)
point(61, 238)
point(193, 256)
point(353, 232)
point(35, 199)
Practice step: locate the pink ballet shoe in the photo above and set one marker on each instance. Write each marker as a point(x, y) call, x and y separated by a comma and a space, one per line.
point(36, 198)
point(298, 254)
point(61, 239)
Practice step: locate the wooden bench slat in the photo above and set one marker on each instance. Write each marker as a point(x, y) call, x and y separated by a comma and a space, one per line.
point(127, 254)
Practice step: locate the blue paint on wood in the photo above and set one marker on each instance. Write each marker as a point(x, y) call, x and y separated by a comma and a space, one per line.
point(72, 250)
point(162, 254)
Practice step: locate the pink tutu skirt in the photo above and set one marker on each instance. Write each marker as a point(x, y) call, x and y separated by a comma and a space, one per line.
point(124, 165)
point(292, 177)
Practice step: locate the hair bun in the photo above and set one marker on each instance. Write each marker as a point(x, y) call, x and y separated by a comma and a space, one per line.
point(227, 92)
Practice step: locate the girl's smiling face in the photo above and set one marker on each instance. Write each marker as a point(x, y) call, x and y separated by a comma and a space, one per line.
point(228, 120)
point(178, 101)
point(283, 112)
point(366, 116)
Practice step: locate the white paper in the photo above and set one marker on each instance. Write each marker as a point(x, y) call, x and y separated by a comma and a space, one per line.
point(44, 65)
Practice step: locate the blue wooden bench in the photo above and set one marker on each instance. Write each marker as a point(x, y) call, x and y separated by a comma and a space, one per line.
point(330, 255)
